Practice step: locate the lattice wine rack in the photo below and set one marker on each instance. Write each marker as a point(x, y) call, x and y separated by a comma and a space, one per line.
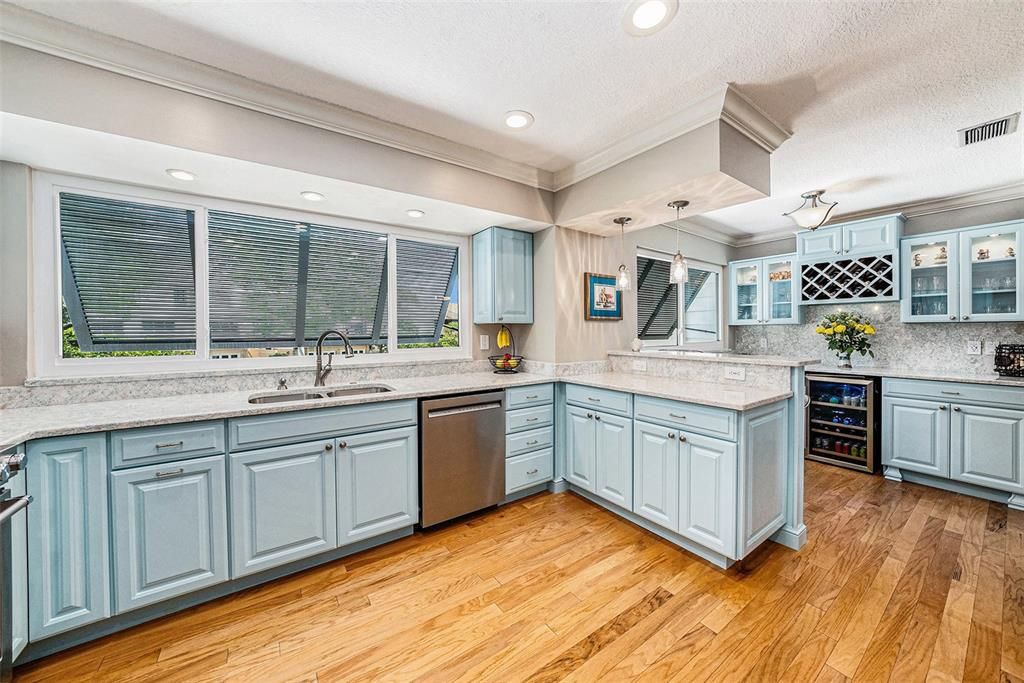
point(869, 278)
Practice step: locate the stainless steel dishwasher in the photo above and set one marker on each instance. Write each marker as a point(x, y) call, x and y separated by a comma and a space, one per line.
point(462, 455)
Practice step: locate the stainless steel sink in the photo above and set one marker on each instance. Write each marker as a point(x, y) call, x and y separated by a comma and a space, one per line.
point(318, 394)
point(286, 396)
point(356, 391)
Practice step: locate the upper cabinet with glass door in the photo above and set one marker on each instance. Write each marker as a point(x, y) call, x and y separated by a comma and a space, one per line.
point(972, 275)
point(763, 291)
point(991, 273)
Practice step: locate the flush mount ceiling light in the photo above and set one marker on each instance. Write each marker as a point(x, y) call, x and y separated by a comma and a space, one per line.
point(179, 174)
point(311, 196)
point(811, 216)
point(622, 280)
point(415, 213)
point(518, 119)
point(679, 271)
point(644, 17)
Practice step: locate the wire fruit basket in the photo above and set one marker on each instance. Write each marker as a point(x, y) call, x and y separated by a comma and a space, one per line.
point(506, 363)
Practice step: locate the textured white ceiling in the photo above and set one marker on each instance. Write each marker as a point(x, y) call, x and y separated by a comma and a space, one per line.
point(873, 91)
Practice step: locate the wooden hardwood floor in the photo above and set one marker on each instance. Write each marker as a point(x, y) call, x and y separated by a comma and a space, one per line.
point(897, 582)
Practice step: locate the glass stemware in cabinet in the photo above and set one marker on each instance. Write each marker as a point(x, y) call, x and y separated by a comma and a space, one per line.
point(747, 293)
point(929, 279)
point(993, 274)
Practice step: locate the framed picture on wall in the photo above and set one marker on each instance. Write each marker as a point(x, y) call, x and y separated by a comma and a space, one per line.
point(601, 301)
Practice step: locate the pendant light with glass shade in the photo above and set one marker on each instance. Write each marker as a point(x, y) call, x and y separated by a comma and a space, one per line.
point(679, 271)
point(622, 280)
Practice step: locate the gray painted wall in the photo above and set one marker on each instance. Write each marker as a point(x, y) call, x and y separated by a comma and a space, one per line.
point(15, 207)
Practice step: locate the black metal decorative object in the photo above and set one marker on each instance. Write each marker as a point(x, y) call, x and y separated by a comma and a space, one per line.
point(1010, 360)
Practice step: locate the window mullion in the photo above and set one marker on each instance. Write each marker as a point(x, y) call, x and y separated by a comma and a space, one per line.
point(201, 266)
point(300, 290)
point(681, 313)
point(392, 265)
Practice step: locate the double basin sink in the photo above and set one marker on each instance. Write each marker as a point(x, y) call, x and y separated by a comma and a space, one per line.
point(317, 394)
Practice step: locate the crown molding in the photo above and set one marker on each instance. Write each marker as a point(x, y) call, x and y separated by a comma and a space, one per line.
point(725, 104)
point(61, 39)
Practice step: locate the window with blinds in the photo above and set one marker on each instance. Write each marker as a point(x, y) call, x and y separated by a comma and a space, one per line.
point(274, 284)
point(660, 306)
point(128, 276)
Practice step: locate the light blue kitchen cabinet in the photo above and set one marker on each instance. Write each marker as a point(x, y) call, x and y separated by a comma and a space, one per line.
point(929, 266)
point(915, 435)
point(283, 505)
point(764, 291)
point(378, 483)
point(68, 549)
point(502, 276)
point(656, 474)
point(580, 447)
point(613, 474)
point(853, 239)
point(992, 273)
point(169, 529)
point(707, 492)
point(823, 243)
point(987, 447)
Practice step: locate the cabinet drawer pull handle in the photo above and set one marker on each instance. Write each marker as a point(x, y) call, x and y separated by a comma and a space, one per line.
point(532, 443)
point(171, 473)
point(950, 393)
point(533, 471)
point(595, 400)
point(681, 417)
point(532, 419)
point(174, 444)
point(532, 397)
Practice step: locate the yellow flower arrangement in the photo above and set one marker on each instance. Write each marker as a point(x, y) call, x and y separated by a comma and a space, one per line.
point(846, 333)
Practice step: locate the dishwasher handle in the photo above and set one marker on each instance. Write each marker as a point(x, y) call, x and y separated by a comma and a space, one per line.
point(444, 412)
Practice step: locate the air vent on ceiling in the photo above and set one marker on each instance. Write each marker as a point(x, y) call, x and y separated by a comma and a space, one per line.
point(988, 130)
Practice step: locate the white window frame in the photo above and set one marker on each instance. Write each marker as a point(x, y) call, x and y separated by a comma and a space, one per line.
point(46, 347)
point(677, 341)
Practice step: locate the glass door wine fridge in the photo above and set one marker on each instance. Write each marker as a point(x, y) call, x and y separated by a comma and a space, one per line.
point(842, 421)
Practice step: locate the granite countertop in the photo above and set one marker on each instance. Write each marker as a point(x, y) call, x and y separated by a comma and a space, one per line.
point(902, 372)
point(720, 357)
point(19, 425)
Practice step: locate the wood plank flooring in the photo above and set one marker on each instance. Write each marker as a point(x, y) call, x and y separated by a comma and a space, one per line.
point(897, 582)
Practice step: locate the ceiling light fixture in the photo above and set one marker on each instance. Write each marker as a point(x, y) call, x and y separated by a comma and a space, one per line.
point(812, 216)
point(644, 17)
point(622, 280)
point(679, 272)
point(518, 119)
point(311, 196)
point(415, 213)
point(179, 174)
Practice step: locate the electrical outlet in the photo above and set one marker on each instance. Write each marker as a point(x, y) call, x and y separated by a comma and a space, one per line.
point(639, 365)
point(974, 347)
point(485, 342)
point(739, 374)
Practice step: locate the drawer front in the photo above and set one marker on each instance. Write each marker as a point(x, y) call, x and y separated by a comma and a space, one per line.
point(528, 418)
point(525, 397)
point(600, 399)
point(524, 442)
point(154, 445)
point(952, 392)
point(693, 418)
point(527, 470)
point(260, 431)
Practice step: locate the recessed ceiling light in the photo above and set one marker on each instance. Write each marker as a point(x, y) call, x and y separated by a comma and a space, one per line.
point(415, 213)
point(517, 118)
point(644, 17)
point(179, 174)
point(311, 196)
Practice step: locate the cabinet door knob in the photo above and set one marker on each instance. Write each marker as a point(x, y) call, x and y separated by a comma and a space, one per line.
point(343, 444)
point(942, 407)
point(967, 317)
point(328, 447)
point(956, 409)
point(952, 317)
point(682, 438)
point(597, 417)
point(590, 415)
point(500, 318)
point(671, 435)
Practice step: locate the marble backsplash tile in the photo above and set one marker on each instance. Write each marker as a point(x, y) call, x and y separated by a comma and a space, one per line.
point(915, 345)
point(768, 376)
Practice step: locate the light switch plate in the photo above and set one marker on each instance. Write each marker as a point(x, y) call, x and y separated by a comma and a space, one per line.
point(739, 374)
point(485, 342)
point(974, 347)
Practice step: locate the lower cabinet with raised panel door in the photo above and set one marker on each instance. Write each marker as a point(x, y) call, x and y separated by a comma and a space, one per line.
point(970, 436)
point(599, 450)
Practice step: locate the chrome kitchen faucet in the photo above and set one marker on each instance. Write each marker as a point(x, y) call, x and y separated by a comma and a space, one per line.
point(321, 370)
